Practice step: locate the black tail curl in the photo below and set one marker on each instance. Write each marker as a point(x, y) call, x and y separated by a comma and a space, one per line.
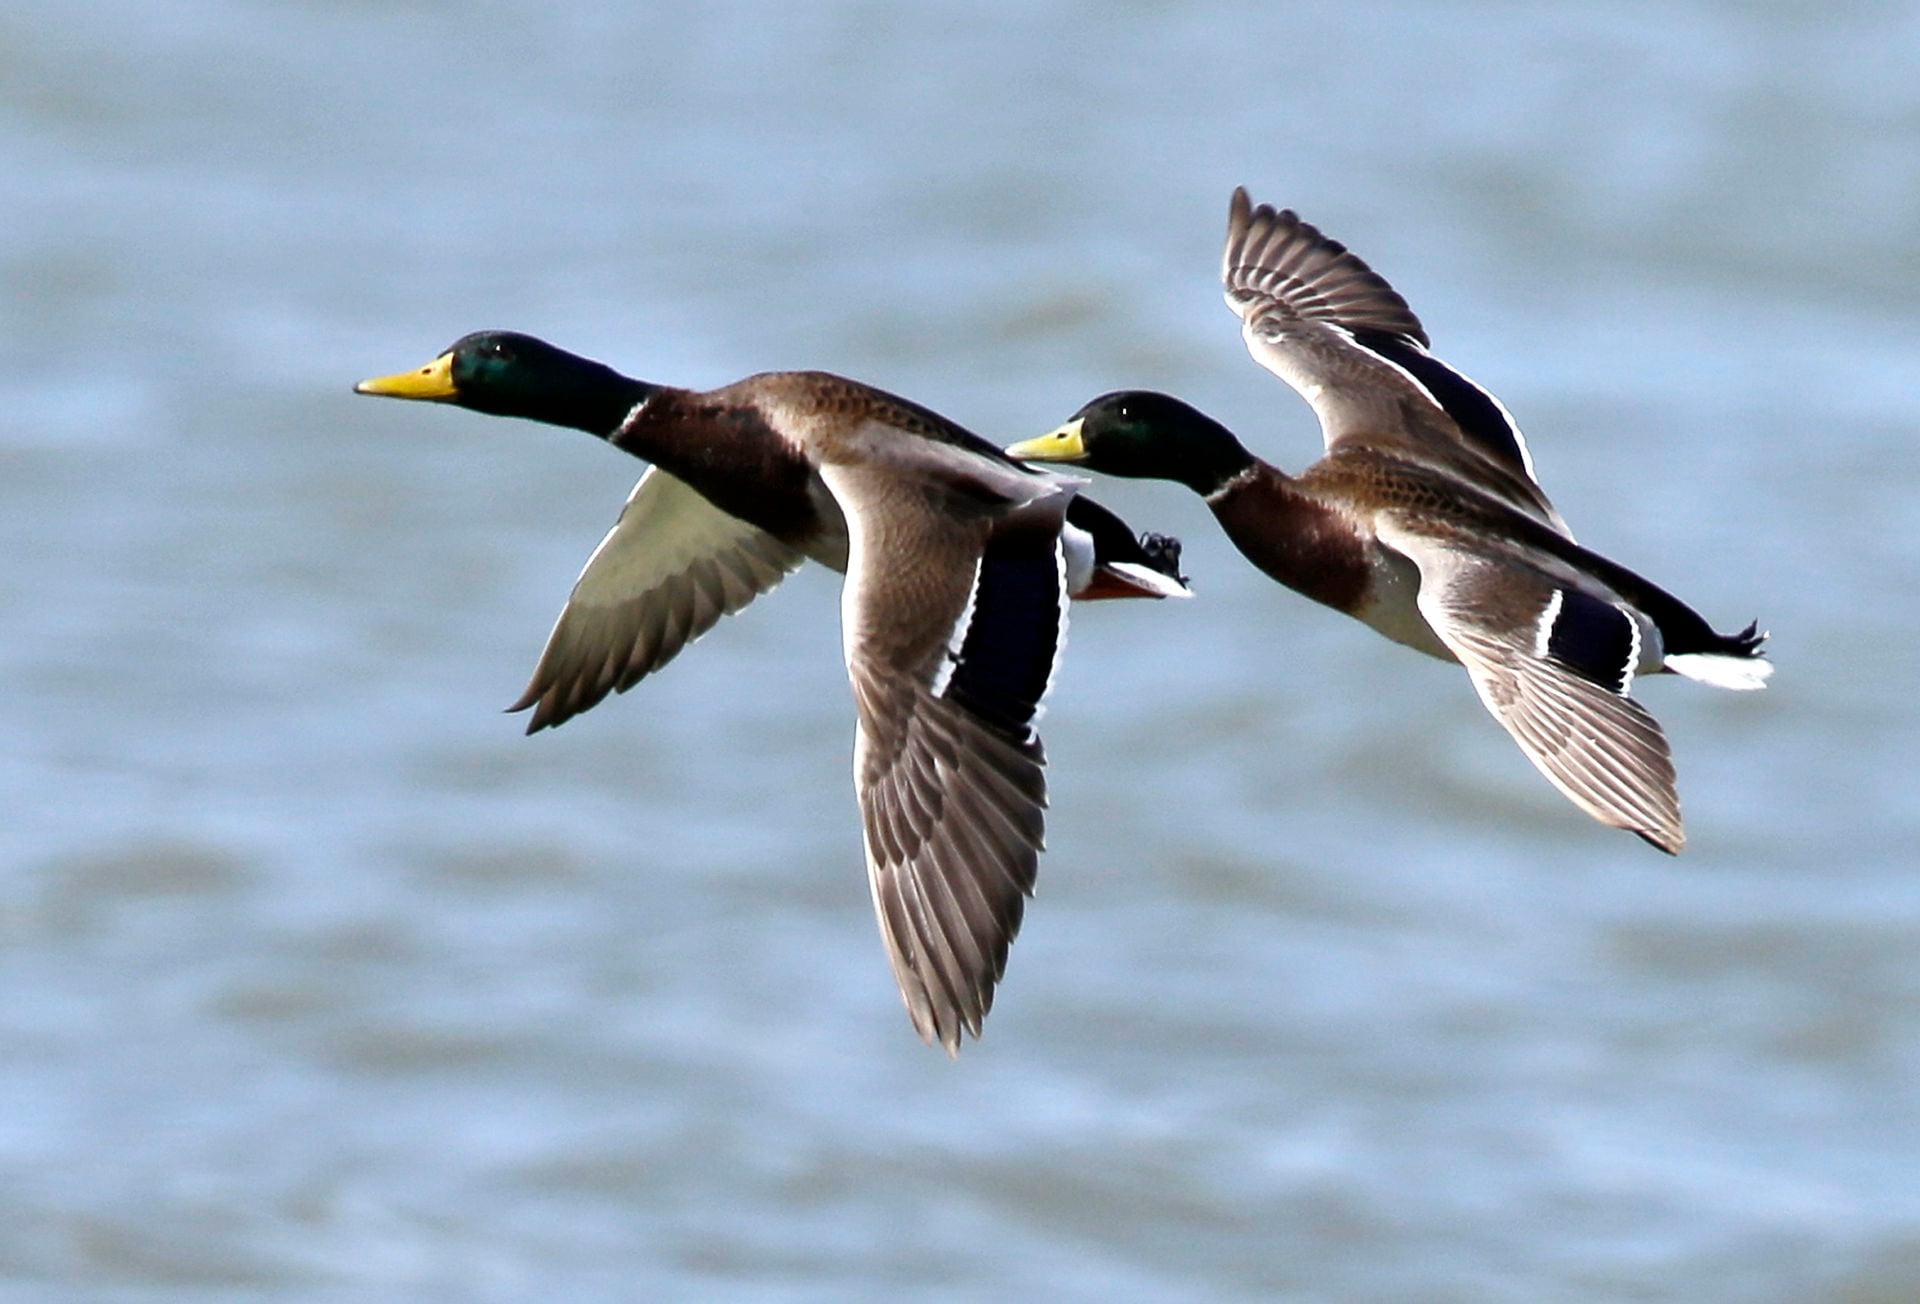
point(1744, 644)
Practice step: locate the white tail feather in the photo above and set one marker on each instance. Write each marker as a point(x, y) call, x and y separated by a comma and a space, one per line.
point(1742, 674)
point(1079, 552)
point(1161, 586)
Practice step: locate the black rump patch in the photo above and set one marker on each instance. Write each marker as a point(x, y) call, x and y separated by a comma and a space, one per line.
point(1113, 539)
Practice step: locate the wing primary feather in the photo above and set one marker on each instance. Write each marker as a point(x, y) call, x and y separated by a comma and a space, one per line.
point(655, 583)
point(950, 655)
point(1601, 749)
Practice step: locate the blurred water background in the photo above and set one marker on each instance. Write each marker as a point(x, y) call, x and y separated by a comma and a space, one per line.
point(318, 981)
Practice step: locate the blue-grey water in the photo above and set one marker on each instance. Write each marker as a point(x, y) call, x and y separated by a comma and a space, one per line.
point(319, 981)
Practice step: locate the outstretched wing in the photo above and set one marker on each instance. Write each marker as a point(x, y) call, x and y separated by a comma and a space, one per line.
point(668, 570)
point(1553, 663)
point(1318, 317)
point(952, 628)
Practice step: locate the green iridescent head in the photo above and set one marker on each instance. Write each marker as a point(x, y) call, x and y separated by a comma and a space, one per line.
point(508, 374)
point(1144, 435)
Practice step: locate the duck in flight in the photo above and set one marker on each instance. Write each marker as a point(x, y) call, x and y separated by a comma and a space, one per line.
point(959, 564)
point(1424, 520)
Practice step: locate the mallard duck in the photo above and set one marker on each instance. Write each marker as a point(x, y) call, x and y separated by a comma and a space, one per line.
point(959, 564)
point(1425, 521)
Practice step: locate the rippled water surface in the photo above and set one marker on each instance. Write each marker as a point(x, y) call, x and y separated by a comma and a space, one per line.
point(317, 980)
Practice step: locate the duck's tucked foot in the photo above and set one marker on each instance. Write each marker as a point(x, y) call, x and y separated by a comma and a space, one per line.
point(1735, 661)
point(1152, 570)
point(1105, 560)
point(1163, 554)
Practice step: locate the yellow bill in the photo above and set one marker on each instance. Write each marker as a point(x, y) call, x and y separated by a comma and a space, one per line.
point(1061, 445)
point(433, 382)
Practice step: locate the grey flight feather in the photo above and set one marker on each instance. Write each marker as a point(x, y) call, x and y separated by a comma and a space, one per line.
point(1318, 317)
point(1599, 747)
point(672, 565)
point(952, 792)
